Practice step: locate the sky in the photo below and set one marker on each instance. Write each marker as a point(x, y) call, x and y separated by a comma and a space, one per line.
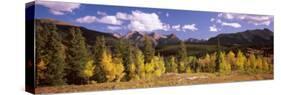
point(183, 23)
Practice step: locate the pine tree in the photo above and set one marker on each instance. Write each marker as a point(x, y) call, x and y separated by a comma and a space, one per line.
point(182, 57)
point(42, 37)
point(218, 55)
point(148, 50)
point(129, 62)
point(139, 63)
point(119, 59)
point(182, 52)
point(55, 68)
point(77, 57)
point(99, 49)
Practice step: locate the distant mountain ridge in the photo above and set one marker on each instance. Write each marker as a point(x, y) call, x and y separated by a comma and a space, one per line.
point(156, 38)
point(248, 37)
point(63, 28)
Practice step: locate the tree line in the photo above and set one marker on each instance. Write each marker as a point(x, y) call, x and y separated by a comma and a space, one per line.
point(67, 59)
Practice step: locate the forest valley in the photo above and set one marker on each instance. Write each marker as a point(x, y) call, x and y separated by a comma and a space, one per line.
point(67, 55)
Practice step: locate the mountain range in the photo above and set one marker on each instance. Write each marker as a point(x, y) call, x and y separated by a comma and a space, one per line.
point(248, 37)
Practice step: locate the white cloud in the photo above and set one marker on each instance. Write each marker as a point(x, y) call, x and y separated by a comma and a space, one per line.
point(137, 26)
point(260, 23)
point(86, 19)
point(176, 27)
point(166, 27)
point(105, 20)
point(110, 20)
point(114, 28)
point(191, 27)
point(259, 20)
point(223, 23)
point(59, 8)
point(123, 16)
point(140, 21)
point(56, 12)
point(218, 21)
point(213, 28)
point(234, 24)
point(251, 19)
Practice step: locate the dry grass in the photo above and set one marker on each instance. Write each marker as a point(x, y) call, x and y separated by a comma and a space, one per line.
point(169, 79)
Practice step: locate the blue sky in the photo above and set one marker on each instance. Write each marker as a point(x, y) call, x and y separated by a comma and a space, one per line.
point(184, 23)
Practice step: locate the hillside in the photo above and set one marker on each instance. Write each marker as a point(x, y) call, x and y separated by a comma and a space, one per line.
point(248, 37)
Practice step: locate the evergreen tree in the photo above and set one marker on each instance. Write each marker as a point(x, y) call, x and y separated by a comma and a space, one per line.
point(218, 55)
point(129, 62)
point(99, 49)
point(77, 57)
point(182, 57)
point(56, 65)
point(42, 34)
point(148, 50)
point(182, 52)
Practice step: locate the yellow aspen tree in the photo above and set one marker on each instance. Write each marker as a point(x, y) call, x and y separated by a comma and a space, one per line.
point(107, 67)
point(89, 70)
point(118, 69)
point(232, 60)
point(40, 71)
point(224, 66)
point(139, 61)
point(241, 60)
point(253, 63)
point(265, 65)
point(259, 67)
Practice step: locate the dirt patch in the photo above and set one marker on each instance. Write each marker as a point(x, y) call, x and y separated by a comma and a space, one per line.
point(169, 79)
